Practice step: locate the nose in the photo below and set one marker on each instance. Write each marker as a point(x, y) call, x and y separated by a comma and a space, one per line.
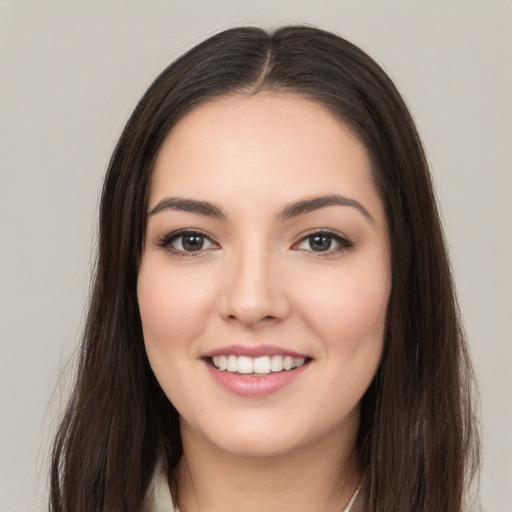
point(254, 292)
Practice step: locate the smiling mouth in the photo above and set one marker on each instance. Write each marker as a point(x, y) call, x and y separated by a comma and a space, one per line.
point(263, 365)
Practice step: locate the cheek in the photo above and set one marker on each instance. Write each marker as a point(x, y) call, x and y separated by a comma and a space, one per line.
point(349, 317)
point(173, 306)
point(348, 311)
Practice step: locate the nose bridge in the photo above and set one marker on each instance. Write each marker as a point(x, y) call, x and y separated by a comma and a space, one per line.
point(253, 290)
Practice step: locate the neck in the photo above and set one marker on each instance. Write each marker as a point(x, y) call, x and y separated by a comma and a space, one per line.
point(310, 478)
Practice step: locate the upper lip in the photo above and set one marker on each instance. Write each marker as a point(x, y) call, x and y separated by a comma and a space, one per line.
point(253, 351)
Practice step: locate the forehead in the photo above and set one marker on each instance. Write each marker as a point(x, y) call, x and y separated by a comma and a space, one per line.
point(270, 145)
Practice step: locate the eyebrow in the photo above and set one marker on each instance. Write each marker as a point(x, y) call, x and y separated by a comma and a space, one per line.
point(188, 205)
point(291, 210)
point(315, 203)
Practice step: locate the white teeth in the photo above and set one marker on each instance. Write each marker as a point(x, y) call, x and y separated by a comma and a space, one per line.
point(299, 361)
point(276, 364)
point(245, 364)
point(223, 363)
point(232, 365)
point(259, 365)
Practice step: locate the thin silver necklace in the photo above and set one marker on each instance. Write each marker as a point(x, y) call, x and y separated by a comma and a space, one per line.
point(354, 496)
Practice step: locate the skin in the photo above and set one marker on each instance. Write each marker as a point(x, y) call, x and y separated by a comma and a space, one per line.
point(258, 280)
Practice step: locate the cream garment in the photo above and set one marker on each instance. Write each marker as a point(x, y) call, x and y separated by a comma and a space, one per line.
point(159, 498)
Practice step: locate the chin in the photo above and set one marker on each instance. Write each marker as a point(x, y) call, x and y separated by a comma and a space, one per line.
point(257, 446)
point(256, 435)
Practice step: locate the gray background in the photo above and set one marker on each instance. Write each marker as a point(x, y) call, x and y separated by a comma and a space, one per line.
point(71, 74)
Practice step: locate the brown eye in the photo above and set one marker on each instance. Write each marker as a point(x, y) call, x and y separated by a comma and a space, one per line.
point(319, 242)
point(324, 241)
point(192, 243)
point(187, 242)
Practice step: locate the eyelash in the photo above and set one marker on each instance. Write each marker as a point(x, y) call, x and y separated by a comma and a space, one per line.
point(166, 242)
point(343, 242)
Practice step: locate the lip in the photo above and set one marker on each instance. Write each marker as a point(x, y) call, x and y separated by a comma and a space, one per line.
point(253, 351)
point(250, 385)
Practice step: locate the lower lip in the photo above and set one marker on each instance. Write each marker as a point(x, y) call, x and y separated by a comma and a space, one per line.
point(252, 385)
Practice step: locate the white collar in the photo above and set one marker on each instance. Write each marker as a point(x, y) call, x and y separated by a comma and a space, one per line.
point(158, 497)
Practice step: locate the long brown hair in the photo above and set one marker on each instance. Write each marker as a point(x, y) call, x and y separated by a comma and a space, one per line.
point(417, 438)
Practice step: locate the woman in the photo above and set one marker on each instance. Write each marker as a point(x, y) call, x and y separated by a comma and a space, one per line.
point(273, 324)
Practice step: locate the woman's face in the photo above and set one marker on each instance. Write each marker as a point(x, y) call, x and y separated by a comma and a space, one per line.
point(265, 274)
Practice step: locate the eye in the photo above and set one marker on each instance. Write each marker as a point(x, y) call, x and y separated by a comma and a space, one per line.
point(189, 241)
point(323, 242)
